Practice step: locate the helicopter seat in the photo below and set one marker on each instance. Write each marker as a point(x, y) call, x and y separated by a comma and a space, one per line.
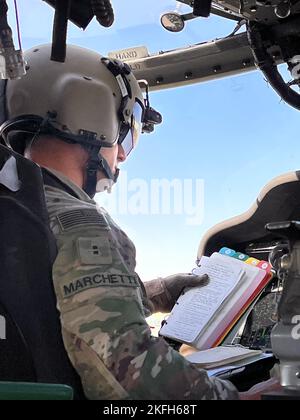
point(31, 346)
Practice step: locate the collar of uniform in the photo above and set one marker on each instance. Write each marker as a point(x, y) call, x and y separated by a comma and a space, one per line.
point(69, 185)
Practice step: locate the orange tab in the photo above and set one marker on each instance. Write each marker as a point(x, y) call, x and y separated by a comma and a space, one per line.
point(252, 261)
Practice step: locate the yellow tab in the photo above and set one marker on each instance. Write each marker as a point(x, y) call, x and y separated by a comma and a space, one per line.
point(252, 261)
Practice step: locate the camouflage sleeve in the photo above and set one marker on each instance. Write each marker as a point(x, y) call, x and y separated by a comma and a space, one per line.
point(104, 327)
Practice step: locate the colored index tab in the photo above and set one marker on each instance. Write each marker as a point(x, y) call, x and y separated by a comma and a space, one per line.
point(264, 265)
point(240, 256)
point(227, 251)
point(252, 261)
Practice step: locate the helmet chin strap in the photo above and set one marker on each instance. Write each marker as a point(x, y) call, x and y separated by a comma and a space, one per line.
point(97, 163)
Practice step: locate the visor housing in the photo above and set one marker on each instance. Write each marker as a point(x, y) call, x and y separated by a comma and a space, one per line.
point(130, 141)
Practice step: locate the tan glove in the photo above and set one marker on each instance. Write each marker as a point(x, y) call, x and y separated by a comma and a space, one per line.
point(164, 292)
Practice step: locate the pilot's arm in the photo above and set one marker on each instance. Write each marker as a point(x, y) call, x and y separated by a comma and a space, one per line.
point(103, 323)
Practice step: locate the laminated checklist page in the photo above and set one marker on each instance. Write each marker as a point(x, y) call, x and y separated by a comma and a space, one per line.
point(196, 308)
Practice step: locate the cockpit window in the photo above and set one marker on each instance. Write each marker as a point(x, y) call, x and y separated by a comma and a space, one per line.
point(220, 142)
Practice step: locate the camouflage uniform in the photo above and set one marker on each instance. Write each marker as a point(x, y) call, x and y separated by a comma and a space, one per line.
point(103, 307)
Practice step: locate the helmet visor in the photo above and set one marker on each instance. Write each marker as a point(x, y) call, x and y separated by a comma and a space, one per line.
point(131, 139)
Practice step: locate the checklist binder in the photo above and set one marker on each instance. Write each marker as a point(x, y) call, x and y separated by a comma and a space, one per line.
point(202, 317)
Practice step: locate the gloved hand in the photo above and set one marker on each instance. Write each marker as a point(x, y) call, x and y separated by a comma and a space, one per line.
point(164, 292)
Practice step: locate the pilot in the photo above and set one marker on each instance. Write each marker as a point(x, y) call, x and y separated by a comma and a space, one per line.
point(79, 120)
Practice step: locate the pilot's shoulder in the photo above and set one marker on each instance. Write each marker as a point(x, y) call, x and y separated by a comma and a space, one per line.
point(67, 212)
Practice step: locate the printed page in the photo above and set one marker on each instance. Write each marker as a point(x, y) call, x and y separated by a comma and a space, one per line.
point(196, 307)
point(220, 356)
point(251, 281)
point(237, 367)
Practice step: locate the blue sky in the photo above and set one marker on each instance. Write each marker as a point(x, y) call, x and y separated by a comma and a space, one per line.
point(233, 134)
